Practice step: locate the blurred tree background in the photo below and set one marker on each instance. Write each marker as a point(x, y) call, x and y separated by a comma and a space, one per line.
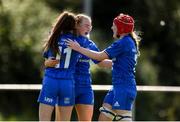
point(24, 24)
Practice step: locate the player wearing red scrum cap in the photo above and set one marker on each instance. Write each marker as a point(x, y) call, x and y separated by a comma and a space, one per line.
point(124, 51)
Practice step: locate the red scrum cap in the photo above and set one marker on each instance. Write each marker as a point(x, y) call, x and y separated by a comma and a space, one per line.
point(124, 24)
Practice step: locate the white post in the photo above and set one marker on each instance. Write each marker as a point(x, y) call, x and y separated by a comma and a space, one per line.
point(87, 7)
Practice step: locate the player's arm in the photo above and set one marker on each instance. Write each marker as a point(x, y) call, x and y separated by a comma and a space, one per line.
point(99, 56)
point(106, 63)
point(51, 62)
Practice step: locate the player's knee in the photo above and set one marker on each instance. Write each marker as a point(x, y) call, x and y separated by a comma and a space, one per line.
point(114, 116)
point(122, 118)
point(107, 112)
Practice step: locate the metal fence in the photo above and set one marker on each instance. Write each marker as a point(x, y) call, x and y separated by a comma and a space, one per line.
point(32, 87)
point(37, 87)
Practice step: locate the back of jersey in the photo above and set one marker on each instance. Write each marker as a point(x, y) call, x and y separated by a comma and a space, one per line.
point(68, 57)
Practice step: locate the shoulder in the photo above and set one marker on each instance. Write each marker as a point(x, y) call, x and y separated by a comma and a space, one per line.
point(119, 43)
point(90, 42)
point(126, 40)
point(67, 35)
point(84, 41)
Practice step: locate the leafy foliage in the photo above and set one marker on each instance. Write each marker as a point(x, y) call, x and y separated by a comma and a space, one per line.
point(24, 24)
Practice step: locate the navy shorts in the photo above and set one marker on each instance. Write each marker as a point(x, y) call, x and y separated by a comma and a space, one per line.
point(121, 97)
point(84, 95)
point(57, 91)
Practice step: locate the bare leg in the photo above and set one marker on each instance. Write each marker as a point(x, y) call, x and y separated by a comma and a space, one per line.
point(64, 113)
point(45, 112)
point(57, 114)
point(84, 112)
point(124, 113)
point(103, 117)
point(129, 113)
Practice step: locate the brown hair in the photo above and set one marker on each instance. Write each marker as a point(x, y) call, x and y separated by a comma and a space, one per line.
point(65, 23)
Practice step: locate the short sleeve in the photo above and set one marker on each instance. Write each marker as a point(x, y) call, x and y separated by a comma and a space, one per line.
point(114, 49)
point(48, 53)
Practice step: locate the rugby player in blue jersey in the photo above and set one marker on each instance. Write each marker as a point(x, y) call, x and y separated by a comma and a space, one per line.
point(84, 96)
point(124, 51)
point(58, 82)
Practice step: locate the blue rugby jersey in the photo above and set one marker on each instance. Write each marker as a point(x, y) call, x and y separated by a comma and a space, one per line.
point(82, 72)
point(68, 58)
point(123, 53)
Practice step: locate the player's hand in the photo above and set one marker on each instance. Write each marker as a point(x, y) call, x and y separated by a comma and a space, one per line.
point(51, 62)
point(73, 44)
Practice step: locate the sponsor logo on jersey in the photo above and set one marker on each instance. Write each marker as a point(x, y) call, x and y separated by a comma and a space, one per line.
point(116, 104)
point(66, 100)
point(49, 100)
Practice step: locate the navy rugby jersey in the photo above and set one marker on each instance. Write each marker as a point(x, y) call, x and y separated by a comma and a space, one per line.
point(82, 72)
point(68, 58)
point(123, 53)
